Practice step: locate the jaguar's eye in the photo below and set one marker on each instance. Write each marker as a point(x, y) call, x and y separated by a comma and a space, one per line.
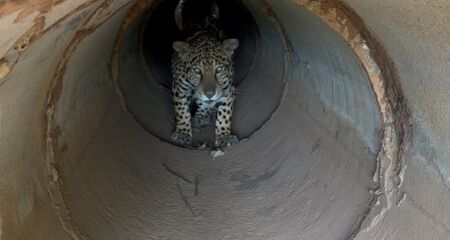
point(219, 69)
point(197, 70)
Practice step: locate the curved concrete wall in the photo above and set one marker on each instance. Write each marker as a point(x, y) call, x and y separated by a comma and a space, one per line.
point(341, 112)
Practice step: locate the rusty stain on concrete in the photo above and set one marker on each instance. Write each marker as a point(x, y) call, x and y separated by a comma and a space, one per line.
point(5, 68)
point(62, 10)
point(382, 74)
point(40, 25)
point(20, 46)
point(11, 31)
point(54, 148)
point(26, 7)
point(33, 33)
point(104, 12)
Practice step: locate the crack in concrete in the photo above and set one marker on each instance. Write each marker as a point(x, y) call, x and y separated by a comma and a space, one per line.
point(196, 183)
point(175, 173)
point(185, 199)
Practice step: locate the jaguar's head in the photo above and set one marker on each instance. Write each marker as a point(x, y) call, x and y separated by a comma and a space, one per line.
point(208, 66)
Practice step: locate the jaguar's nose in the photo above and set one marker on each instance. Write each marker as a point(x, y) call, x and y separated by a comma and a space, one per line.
point(210, 93)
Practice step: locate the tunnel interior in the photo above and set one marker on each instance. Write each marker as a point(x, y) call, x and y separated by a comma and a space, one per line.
point(158, 31)
point(306, 110)
point(307, 114)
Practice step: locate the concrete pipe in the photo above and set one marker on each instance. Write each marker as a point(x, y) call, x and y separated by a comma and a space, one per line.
point(342, 112)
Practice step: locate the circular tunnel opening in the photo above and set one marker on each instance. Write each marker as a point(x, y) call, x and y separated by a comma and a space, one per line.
point(154, 78)
point(307, 111)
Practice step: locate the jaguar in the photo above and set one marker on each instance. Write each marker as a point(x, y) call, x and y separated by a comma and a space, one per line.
point(203, 74)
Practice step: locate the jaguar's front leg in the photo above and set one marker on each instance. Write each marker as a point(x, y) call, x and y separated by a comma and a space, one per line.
point(224, 138)
point(183, 131)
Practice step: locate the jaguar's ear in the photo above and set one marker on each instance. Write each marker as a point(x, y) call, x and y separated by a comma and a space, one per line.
point(181, 48)
point(230, 45)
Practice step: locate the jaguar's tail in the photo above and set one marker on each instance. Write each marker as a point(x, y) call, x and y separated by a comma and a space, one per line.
point(179, 14)
point(214, 14)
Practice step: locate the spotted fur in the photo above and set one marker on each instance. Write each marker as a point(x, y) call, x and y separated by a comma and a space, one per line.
point(203, 73)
